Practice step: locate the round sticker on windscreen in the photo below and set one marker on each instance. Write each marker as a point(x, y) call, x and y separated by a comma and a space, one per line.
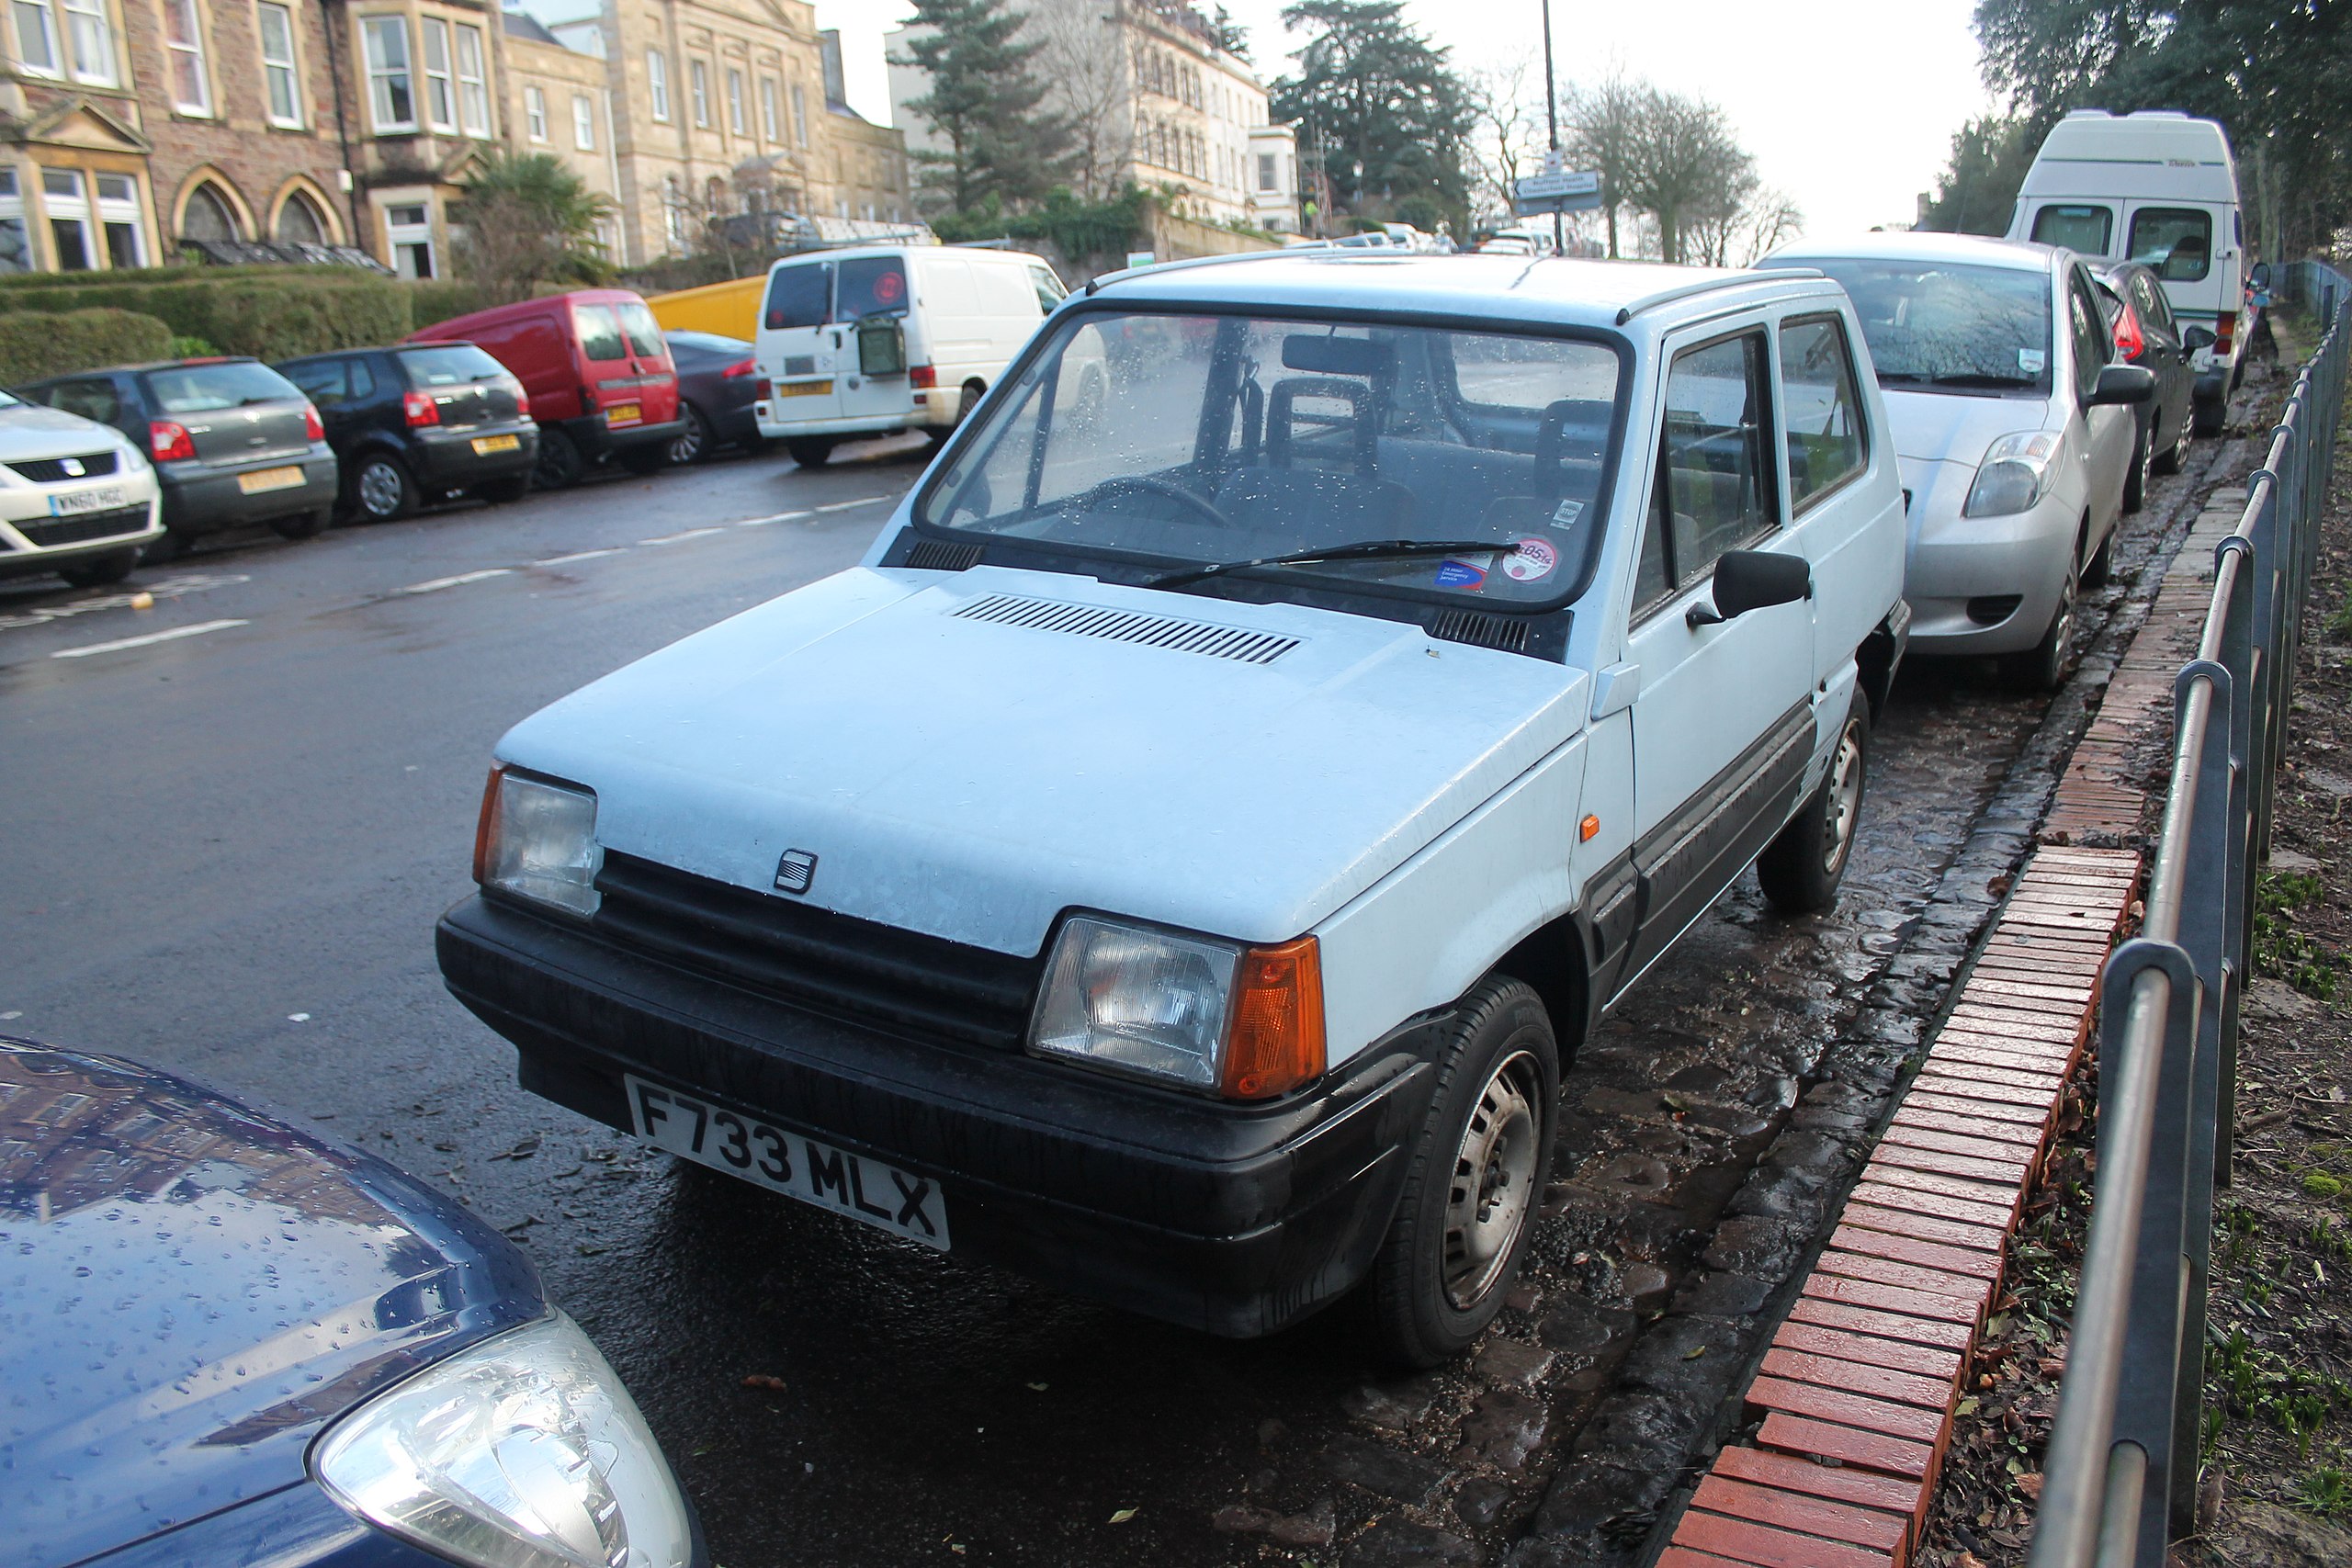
point(1531, 560)
point(889, 287)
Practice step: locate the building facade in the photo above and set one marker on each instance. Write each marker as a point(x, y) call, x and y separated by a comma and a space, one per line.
point(1153, 99)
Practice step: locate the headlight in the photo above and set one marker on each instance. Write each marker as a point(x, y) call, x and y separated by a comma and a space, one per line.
point(2015, 475)
point(524, 1452)
point(538, 839)
point(1245, 1022)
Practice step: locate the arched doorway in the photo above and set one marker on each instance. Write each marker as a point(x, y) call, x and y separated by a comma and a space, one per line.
point(299, 221)
point(207, 215)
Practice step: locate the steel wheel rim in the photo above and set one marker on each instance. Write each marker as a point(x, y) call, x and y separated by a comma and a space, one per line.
point(1845, 798)
point(380, 488)
point(1492, 1185)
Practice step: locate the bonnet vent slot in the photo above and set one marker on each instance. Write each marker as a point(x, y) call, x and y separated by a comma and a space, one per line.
point(1481, 630)
point(1127, 625)
point(943, 555)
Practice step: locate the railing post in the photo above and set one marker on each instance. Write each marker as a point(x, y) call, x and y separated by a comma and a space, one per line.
point(2260, 526)
point(2235, 565)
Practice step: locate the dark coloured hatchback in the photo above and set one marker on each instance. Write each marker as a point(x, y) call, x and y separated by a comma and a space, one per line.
point(225, 1341)
point(233, 442)
point(420, 424)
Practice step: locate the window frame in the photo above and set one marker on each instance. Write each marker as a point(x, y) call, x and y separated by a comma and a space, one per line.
point(16, 222)
point(583, 122)
point(1853, 385)
point(51, 38)
point(94, 12)
point(770, 110)
point(180, 53)
point(399, 236)
point(74, 207)
point(698, 92)
point(657, 83)
point(799, 114)
point(473, 91)
point(1768, 440)
point(738, 114)
point(382, 73)
point(534, 113)
point(441, 82)
point(288, 68)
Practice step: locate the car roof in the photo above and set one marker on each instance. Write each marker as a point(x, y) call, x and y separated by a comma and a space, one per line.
point(1922, 246)
point(1502, 287)
point(145, 366)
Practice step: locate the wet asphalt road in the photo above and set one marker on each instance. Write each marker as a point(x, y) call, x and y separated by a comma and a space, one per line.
point(224, 854)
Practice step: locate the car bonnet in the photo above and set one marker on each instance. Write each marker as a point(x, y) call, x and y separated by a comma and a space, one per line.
point(32, 430)
point(970, 755)
point(1957, 427)
point(190, 1290)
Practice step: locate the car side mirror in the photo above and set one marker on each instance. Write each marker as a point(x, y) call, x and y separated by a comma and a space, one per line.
point(2261, 277)
point(1753, 580)
point(2195, 338)
point(2124, 384)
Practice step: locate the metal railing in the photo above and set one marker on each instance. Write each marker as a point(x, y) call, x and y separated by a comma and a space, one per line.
point(2120, 1473)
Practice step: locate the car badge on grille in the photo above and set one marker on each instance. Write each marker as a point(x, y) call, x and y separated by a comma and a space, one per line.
point(73, 467)
point(795, 871)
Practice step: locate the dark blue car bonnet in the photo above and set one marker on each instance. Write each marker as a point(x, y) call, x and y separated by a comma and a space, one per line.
point(190, 1290)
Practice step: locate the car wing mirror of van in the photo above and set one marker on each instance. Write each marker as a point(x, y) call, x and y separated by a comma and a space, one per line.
point(2124, 384)
point(2195, 338)
point(1753, 580)
point(2260, 276)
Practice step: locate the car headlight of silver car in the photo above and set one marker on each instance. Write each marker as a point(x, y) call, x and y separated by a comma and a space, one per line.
point(1245, 1022)
point(538, 840)
point(524, 1452)
point(2015, 475)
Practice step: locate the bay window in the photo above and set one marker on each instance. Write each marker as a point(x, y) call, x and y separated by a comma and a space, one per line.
point(391, 90)
point(473, 84)
point(281, 78)
point(440, 112)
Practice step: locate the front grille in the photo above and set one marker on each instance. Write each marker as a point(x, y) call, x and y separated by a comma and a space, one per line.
point(1481, 630)
point(859, 971)
point(54, 470)
point(91, 525)
point(1129, 625)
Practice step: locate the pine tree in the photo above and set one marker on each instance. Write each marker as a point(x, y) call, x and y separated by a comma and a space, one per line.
point(1003, 148)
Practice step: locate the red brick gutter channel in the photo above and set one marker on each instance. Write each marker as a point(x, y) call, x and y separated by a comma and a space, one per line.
point(1857, 1390)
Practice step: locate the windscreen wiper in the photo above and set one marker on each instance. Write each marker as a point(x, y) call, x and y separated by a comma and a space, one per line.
point(1362, 549)
point(1981, 378)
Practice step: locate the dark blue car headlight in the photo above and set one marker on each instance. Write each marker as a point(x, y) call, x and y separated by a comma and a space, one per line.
point(522, 1452)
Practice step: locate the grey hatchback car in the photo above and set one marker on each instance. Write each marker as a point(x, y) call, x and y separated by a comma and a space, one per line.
point(233, 442)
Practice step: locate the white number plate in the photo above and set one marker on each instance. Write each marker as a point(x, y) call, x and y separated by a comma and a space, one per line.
point(103, 499)
point(787, 1162)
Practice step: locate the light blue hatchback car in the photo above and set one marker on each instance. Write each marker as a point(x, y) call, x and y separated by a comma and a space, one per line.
point(1181, 860)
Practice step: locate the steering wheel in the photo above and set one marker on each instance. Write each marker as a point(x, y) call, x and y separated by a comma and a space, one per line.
point(1167, 490)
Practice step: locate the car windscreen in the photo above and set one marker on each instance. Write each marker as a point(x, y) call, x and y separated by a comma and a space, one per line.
point(1949, 326)
point(447, 364)
point(201, 389)
point(1194, 439)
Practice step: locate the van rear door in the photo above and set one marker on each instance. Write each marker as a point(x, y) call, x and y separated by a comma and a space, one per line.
point(796, 349)
point(870, 305)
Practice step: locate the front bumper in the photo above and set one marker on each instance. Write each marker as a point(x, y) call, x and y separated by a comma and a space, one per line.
point(1956, 562)
point(200, 498)
point(1237, 1219)
point(38, 544)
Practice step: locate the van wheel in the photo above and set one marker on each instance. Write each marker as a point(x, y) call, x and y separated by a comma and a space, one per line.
point(967, 400)
point(382, 490)
point(810, 451)
point(1468, 1209)
point(1799, 870)
point(2207, 416)
point(302, 525)
point(560, 464)
point(99, 571)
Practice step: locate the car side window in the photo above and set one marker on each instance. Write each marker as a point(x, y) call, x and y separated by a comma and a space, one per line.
point(1713, 491)
point(2177, 240)
point(325, 382)
point(1820, 408)
point(2094, 344)
point(1050, 291)
point(363, 381)
point(600, 333)
point(92, 397)
point(2156, 311)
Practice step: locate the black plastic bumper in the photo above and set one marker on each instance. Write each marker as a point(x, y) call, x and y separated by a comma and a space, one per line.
point(1233, 1219)
point(451, 462)
point(596, 439)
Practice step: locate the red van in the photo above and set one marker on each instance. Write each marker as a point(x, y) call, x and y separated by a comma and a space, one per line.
point(599, 377)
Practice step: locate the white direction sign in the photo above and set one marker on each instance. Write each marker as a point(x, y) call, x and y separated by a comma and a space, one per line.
point(1559, 190)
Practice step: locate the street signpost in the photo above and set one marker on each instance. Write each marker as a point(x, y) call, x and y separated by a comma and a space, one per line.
point(1557, 190)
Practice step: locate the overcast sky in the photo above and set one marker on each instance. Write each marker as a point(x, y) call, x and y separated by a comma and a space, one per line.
point(1847, 105)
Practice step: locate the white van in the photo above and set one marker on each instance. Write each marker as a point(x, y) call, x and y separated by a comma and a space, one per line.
point(2160, 187)
point(883, 338)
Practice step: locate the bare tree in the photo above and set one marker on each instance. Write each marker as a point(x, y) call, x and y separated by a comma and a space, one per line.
point(1507, 137)
point(1603, 130)
point(1082, 58)
point(1687, 167)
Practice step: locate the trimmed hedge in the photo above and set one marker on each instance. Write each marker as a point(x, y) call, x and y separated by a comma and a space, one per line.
point(34, 344)
point(442, 300)
point(271, 314)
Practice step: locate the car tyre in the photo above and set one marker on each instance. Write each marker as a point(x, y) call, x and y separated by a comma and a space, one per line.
point(1467, 1212)
point(560, 464)
point(1800, 869)
point(301, 524)
point(2175, 457)
point(2140, 476)
point(810, 451)
point(502, 492)
point(2042, 667)
point(382, 489)
point(98, 571)
point(691, 444)
point(2207, 416)
point(167, 546)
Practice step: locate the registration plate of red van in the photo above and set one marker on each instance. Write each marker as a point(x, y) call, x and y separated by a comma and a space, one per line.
point(625, 413)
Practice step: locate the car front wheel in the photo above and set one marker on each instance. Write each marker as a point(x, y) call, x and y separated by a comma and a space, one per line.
point(382, 490)
point(1467, 1213)
point(1799, 870)
point(98, 571)
point(2042, 667)
point(691, 444)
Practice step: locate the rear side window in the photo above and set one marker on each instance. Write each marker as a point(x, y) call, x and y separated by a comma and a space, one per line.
point(1820, 408)
point(1050, 291)
point(328, 382)
point(2156, 311)
point(799, 296)
point(447, 364)
point(2079, 226)
point(2094, 344)
point(644, 332)
point(1714, 491)
point(600, 334)
point(204, 388)
point(871, 286)
point(2177, 240)
point(92, 397)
